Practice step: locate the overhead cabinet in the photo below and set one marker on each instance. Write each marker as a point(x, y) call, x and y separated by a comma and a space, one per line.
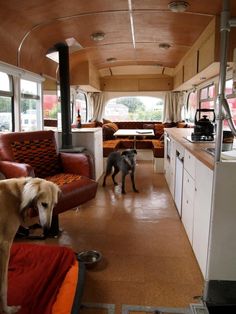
point(202, 54)
point(190, 66)
point(206, 54)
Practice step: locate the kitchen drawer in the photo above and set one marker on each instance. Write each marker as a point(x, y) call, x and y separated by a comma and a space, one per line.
point(188, 204)
point(189, 163)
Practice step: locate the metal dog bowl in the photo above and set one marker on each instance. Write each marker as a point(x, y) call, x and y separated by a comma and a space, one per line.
point(89, 258)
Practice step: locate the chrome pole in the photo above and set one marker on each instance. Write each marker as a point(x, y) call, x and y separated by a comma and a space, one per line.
point(224, 40)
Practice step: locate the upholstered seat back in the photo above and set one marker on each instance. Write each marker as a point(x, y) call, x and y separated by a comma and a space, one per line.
point(38, 149)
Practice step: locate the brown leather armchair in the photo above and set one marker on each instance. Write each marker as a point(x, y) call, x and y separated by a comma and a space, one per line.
point(35, 154)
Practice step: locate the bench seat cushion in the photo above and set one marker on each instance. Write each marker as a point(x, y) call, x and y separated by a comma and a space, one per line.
point(158, 148)
point(110, 146)
point(144, 144)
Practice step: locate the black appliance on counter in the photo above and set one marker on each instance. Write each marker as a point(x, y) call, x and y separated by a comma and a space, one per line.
point(204, 128)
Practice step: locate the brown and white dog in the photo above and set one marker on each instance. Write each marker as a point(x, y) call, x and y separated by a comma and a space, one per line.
point(17, 196)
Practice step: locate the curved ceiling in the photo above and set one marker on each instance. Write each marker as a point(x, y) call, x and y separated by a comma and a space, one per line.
point(133, 31)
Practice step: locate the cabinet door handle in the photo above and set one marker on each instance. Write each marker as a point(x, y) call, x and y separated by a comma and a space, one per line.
point(187, 201)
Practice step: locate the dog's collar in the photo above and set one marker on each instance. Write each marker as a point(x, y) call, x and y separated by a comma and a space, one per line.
point(126, 159)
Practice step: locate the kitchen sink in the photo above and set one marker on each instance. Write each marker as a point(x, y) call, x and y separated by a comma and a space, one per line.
point(210, 150)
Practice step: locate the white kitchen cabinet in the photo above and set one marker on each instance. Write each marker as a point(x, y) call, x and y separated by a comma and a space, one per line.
point(169, 163)
point(172, 167)
point(208, 209)
point(222, 246)
point(188, 204)
point(178, 176)
point(189, 163)
point(196, 201)
point(202, 213)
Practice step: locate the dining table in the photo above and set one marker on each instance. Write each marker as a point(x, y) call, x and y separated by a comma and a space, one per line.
point(133, 133)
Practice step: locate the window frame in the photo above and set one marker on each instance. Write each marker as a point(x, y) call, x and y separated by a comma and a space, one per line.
point(39, 105)
point(159, 96)
point(231, 96)
point(188, 105)
point(208, 99)
point(10, 94)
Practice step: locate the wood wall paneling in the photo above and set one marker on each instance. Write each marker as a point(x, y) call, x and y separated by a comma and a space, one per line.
point(179, 77)
point(185, 70)
point(190, 66)
point(207, 52)
point(49, 84)
point(137, 83)
point(156, 84)
point(84, 73)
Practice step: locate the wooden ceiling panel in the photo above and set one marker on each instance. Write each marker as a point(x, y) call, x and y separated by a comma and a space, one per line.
point(154, 53)
point(49, 22)
point(41, 11)
point(212, 7)
point(81, 28)
point(166, 27)
point(124, 53)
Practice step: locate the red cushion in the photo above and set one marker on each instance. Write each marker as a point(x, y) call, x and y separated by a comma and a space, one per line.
point(36, 273)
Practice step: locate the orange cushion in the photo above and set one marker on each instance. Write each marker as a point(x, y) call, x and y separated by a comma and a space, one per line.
point(158, 129)
point(112, 125)
point(64, 178)
point(65, 296)
point(105, 121)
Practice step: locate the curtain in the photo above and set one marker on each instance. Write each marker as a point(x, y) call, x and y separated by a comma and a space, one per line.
point(97, 101)
point(174, 102)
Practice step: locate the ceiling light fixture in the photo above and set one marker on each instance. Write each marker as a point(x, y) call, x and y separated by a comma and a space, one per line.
point(98, 36)
point(178, 6)
point(111, 59)
point(164, 46)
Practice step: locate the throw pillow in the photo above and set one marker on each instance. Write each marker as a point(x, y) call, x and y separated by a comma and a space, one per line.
point(158, 130)
point(108, 130)
point(105, 121)
point(112, 125)
point(99, 123)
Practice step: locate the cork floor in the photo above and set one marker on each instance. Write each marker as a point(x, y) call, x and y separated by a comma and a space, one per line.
point(147, 259)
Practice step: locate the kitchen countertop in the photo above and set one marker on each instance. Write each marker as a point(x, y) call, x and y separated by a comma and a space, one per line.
point(197, 149)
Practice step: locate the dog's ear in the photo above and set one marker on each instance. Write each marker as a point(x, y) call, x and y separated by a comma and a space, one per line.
point(125, 152)
point(32, 190)
point(29, 192)
point(56, 192)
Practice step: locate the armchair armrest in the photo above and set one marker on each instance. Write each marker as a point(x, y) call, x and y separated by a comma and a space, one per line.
point(12, 169)
point(81, 164)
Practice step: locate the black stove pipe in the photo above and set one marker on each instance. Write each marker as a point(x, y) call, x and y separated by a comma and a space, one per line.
point(64, 72)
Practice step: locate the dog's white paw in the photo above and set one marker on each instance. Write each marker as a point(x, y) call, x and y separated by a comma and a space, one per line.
point(117, 189)
point(11, 309)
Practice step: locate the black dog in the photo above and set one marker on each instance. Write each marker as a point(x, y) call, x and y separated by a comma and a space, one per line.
point(124, 162)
